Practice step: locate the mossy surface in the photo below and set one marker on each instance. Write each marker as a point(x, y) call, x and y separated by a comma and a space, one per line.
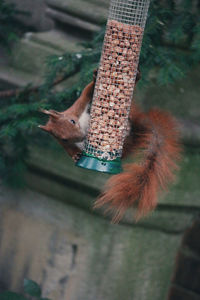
point(180, 98)
point(111, 262)
point(184, 192)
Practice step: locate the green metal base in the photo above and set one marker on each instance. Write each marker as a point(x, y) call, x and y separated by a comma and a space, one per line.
point(93, 163)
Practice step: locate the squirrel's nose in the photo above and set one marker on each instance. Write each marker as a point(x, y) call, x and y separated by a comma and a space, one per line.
point(44, 127)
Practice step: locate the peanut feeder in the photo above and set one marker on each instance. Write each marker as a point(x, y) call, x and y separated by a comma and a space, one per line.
point(114, 86)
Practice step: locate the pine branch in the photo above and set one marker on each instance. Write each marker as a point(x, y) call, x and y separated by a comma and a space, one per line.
point(34, 89)
point(171, 47)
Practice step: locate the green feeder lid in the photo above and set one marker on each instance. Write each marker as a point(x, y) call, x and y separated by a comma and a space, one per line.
point(96, 164)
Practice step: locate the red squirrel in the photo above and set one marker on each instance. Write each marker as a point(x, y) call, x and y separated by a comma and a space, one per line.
point(153, 139)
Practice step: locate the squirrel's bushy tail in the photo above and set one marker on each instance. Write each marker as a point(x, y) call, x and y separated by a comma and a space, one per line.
point(156, 137)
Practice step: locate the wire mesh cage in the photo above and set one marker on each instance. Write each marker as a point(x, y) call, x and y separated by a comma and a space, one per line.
point(114, 85)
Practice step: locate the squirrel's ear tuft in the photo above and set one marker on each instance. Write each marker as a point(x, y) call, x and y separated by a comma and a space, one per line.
point(53, 113)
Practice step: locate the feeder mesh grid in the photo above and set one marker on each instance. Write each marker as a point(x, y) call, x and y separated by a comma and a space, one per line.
point(116, 79)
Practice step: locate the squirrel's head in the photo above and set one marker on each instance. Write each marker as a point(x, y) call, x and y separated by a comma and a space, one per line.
point(63, 126)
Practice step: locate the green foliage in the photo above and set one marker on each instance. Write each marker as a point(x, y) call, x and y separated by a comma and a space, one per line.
point(11, 296)
point(9, 27)
point(31, 289)
point(168, 41)
point(171, 43)
point(171, 46)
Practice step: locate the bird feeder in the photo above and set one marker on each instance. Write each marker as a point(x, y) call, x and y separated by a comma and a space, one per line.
point(114, 86)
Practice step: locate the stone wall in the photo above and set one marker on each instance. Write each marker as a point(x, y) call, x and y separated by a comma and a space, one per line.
point(36, 17)
point(185, 282)
point(49, 232)
point(74, 254)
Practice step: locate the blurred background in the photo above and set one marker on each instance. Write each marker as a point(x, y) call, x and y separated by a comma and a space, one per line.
point(48, 230)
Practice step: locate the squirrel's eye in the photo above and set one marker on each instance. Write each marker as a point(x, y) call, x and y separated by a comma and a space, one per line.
point(73, 122)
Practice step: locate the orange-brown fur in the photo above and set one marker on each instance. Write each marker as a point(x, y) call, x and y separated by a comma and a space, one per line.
point(59, 125)
point(153, 140)
point(155, 137)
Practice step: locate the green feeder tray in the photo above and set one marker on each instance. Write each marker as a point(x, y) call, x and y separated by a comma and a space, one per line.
point(96, 164)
